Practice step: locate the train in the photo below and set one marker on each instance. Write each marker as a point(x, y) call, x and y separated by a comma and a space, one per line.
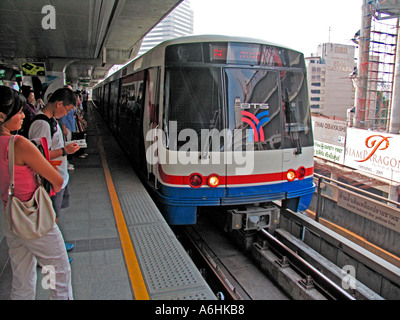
point(215, 121)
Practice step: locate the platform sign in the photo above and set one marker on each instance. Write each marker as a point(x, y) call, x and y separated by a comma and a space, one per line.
point(33, 69)
point(373, 152)
point(329, 139)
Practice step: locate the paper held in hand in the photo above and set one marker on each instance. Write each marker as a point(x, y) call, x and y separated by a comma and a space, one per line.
point(81, 143)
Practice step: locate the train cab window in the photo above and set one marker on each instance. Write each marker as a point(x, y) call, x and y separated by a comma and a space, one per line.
point(193, 101)
point(298, 132)
point(254, 108)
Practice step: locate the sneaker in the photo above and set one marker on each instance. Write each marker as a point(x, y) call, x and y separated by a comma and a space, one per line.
point(70, 260)
point(69, 246)
point(83, 156)
point(70, 167)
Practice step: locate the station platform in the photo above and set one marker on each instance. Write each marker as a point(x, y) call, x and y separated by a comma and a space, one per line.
point(124, 249)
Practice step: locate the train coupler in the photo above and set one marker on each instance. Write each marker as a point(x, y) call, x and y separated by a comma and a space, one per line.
point(254, 218)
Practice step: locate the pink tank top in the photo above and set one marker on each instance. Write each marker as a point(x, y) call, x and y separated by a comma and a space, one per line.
point(24, 177)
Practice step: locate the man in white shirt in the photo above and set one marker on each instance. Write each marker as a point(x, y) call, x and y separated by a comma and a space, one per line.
point(60, 103)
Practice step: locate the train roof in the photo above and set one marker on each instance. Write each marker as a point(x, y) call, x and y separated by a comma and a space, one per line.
point(159, 49)
point(218, 38)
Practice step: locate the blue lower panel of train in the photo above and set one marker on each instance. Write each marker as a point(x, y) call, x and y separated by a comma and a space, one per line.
point(179, 205)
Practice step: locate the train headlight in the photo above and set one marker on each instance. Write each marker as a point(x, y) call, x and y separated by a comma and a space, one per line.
point(195, 180)
point(291, 175)
point(213, 181)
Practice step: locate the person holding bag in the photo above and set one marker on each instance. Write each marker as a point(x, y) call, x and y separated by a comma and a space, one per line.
point(19, 184)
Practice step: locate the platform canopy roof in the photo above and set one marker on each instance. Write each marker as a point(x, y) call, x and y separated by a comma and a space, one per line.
point(88, 37)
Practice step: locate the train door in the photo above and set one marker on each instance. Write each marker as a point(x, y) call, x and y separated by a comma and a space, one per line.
point(130, 115)
point(106, 104)
point(150, 93)
point(113, 105)
point(254, 113)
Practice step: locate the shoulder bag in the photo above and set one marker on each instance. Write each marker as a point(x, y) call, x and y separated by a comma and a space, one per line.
point(31, 219)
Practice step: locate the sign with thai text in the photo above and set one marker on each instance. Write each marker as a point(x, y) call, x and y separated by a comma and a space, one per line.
point(329, 151)
point(329, 139)
point(379, 213)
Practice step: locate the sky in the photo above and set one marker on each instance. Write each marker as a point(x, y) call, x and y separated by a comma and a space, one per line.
point(299, 24)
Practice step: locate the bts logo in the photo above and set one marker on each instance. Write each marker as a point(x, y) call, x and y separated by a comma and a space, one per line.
point(256, 123)
point(264, 106)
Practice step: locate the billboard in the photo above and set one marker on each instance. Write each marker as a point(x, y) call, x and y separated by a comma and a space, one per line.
point(329, 139)
point(33, 69)
point(373, 152)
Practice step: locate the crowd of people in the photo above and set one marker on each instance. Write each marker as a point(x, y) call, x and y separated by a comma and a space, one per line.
point(60, 121)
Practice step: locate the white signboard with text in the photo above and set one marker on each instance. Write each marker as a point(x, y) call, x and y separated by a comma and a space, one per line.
point(373, 152)
point(329, 139)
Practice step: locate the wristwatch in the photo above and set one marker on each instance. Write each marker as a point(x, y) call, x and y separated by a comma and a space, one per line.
point(64, 153)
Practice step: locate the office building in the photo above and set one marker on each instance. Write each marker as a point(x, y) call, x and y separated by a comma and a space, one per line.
point(330, 80)
point(177, 24)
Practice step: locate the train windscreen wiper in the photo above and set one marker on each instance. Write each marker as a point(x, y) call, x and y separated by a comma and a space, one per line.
point(290, 115)
point(206, 145)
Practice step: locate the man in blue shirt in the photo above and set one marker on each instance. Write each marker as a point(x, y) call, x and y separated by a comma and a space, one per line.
point(68, 126)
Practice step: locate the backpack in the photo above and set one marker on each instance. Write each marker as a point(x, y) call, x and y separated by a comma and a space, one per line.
point(51, 121)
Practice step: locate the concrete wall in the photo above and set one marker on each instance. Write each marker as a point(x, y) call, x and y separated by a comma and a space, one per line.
point(370, 226)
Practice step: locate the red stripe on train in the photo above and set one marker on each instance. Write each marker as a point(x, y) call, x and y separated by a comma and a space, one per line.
point(231, 180)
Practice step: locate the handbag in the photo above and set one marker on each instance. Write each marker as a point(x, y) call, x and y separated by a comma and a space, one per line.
point(31, 219)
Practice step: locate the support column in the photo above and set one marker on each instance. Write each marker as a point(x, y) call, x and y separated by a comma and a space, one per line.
point(361, 90)
point(395, 106)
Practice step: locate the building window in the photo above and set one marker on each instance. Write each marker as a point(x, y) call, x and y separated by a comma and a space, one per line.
point(342, 50)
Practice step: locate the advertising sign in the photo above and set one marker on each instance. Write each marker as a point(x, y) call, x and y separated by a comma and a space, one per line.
point(329, 139)
point(373, 152)
point(33, 69)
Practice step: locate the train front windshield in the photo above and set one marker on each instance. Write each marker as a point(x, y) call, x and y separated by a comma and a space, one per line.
point(257, 90)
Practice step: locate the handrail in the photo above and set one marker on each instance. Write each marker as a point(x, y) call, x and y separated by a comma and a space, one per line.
point(369, 194)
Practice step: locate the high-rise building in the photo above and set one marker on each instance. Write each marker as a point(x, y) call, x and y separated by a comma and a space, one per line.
point(330, 82)
point(177, 24)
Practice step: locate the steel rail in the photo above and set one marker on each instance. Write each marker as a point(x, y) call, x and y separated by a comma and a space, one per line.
point(204, 260)
point(327, 286)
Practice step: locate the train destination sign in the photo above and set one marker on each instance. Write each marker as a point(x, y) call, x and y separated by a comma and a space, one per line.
point(245, 53)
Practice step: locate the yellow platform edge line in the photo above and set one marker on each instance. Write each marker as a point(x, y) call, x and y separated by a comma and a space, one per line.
point(132, 264)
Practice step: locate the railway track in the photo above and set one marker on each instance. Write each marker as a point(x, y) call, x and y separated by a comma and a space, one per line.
point(276, 266)
point(228, 268)
point(312, 282)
